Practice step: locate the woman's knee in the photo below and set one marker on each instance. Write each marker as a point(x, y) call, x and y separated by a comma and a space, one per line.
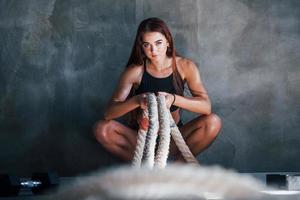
point(210, 124)
point(213, 124)
point(100, 131)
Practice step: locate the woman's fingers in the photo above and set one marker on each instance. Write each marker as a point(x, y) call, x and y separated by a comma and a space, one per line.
point(169, 98)
point(144, 101)
point(162, 93)
point(144, 123)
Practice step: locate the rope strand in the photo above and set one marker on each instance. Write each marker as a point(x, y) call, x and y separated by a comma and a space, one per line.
point(152, 131)
point(164, 134)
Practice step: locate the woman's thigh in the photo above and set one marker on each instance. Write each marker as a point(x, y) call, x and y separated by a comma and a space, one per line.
point(112, 131)
point(186, 130)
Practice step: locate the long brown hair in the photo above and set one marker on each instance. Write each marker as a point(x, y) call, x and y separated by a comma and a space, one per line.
point(138, 57)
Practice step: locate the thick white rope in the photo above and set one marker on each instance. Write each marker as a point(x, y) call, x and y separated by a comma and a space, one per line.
point(139, 149)
point(180, 143)
point(164, 133)
point(149, 152)
point(166, 125)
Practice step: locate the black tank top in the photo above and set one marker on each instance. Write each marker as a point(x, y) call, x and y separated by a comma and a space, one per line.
point(150, 83)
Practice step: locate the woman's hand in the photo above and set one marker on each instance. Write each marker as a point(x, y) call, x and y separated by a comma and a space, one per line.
point(142, 120)
point(142, 100)
point(169, 98)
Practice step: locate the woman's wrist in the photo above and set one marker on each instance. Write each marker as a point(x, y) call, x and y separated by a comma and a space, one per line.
point(174, 96)
point(136, 100)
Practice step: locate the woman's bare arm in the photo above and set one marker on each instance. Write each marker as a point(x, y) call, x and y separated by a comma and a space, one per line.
point(199, 102)
point(119, 105)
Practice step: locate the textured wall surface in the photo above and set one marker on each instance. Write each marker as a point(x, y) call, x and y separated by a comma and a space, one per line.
point(60, 61)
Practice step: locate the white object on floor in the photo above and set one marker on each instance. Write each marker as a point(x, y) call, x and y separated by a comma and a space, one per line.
point(293, 182)
point(173, 182)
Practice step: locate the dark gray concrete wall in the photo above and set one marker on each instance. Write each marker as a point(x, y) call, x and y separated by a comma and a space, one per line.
point(60, 61)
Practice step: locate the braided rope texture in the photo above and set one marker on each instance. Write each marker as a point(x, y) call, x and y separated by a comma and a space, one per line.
point(161, 123)
point(139, 149)
point(151, 136)
point(164, 133)
point(180, 143)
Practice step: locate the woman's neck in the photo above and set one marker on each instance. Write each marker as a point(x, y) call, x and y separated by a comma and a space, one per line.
point(160, 65)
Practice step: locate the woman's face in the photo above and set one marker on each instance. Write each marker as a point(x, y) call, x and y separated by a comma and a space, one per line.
point(155, 45)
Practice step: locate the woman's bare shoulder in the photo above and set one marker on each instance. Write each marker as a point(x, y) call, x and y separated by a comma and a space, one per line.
point(133, 72)
point(185, 62)
point(185, 66)
point(134, 68)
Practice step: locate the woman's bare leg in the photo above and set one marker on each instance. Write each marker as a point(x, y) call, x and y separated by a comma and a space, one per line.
point(198, 134)
point(121, 140)
point(116, 138)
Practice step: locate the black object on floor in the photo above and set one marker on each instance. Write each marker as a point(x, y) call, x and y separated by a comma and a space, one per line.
point(276, 180)
point(11, 185)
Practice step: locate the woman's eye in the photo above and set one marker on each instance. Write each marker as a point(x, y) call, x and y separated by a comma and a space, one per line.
point(158, 43)
point(146, 45)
